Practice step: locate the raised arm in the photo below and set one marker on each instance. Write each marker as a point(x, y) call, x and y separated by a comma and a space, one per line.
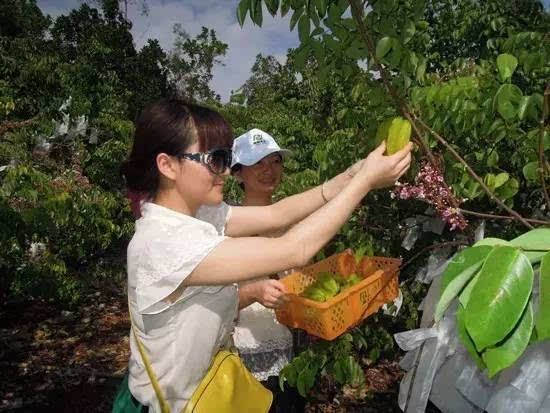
point(250, 221)
point(239, 259)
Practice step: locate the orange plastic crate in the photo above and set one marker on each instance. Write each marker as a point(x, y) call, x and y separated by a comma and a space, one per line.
point(331, 318)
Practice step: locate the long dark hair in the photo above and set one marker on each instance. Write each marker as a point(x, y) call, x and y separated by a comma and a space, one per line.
point(170, 126)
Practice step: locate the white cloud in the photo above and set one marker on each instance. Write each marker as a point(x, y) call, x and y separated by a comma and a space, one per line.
point(274, 37)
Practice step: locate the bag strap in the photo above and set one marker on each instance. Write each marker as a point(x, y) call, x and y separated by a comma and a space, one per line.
point(164, 407)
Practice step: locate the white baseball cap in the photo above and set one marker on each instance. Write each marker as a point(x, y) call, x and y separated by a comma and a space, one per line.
point(253, 146)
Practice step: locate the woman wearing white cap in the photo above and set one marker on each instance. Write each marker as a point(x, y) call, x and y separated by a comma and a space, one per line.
point(190, 248)
point(265, 346)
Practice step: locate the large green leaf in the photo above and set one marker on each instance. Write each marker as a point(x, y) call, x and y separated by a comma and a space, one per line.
point(501, 294)
point(504, 354)
point(242, 9)
point(272, 6)
point(256, 13)
point(383, 47)
point(466, 339)
point(466, 293)
point(492, 242)
point(321, 6)
point(285, 7)
point(508, 100)
point(506, 64)
point(295, 17)
point(460, 270)
point(543, 316)
point(304, 28)
point(536, 239)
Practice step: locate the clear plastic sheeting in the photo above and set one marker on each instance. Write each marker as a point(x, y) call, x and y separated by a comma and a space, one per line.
point(437, 262)
point(68, 127)
point(412, 234)
point(440, 369)
point(479, 233)
point(394, 307)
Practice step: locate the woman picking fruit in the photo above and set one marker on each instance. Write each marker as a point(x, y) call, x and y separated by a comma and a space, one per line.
point(189, 247)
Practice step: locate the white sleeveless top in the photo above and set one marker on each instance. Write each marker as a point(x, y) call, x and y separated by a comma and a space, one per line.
point(181, 337)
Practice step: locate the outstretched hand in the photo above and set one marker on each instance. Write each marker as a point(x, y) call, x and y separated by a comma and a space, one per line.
point(379, 171)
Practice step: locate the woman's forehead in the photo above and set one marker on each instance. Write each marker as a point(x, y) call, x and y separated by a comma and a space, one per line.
point(271, 157)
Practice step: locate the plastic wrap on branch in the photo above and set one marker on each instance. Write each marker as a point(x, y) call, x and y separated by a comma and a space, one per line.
point(431, 187)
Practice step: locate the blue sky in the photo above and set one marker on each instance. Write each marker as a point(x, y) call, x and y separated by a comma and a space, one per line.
point(274, 37)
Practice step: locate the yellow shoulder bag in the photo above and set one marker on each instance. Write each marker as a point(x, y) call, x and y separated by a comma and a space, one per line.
point(228, 387)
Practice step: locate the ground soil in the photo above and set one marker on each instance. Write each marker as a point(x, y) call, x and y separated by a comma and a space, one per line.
point(58, 360)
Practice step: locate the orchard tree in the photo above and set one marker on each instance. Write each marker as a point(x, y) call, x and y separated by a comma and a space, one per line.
point(191, 62)
point(471, 78)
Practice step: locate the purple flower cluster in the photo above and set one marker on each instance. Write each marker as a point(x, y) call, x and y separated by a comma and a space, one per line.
point(431, 187)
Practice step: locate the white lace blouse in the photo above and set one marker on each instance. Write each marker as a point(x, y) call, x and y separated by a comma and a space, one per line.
point(182, 336)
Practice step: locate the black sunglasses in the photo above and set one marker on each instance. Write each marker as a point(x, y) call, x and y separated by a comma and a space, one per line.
point(216, 160)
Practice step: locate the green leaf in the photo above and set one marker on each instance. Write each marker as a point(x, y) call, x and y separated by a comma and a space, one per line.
point(492, 242)
point(466, 339)
point(508, 99)
point(508, 190)
point(242, 9)
point(272, 6)
point(543, 316)
point(285, 7)
point(300, 58)
point(295, 17)
point(464, 297)
point(304, 28)
point(421, 70)
point(321, 6)
point(536, 239)
point(256, 13)
point(408, 31)
point(492, 159)
point(460, 270)
point(506, 64)
point(355, 374)
point(301, 384)
point(500, 296)
point(383, 47)
point(507, 352)
point(530, 171)
point(527, 106)
point(501, 179)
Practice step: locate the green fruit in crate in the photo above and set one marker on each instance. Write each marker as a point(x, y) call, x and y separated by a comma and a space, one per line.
point(354, 279)
point(315, 293)
point(399, 135)
point(328, 283)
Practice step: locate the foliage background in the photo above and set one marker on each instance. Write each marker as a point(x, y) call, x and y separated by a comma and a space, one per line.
point(70, 88)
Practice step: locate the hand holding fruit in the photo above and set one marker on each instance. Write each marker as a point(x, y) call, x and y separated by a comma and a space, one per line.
point(270, 293)
point(379, 171)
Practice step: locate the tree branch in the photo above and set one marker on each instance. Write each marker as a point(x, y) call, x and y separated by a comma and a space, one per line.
point(357, 13)
point(7, 125)
point(433, 247)
point(492, 216)
point(543, 166)
point(474, 175)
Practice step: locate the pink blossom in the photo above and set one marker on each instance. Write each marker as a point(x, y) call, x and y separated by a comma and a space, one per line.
point(431, 187)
